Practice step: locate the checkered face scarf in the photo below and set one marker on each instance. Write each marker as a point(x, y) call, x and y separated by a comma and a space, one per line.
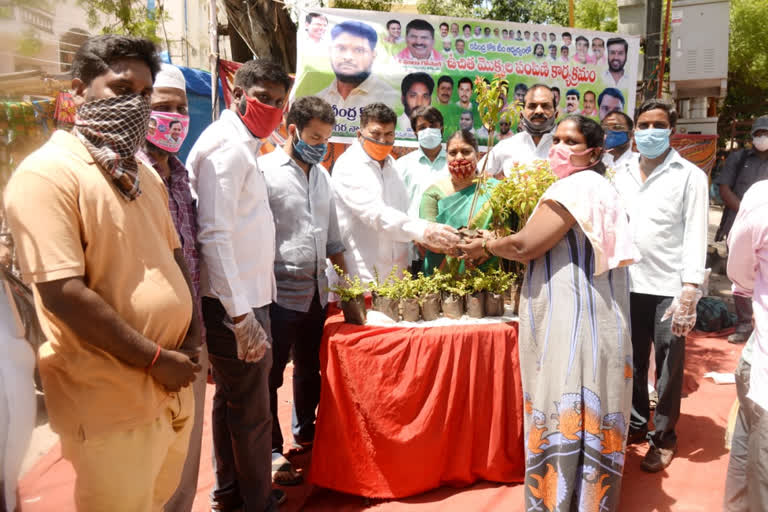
point(113, 129)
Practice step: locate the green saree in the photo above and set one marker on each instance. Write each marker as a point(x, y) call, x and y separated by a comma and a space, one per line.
point(441, 204)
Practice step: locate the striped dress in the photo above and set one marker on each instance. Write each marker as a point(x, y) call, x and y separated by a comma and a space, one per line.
point(576, 366)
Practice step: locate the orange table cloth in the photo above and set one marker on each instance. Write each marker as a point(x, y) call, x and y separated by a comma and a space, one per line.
point(405, 410)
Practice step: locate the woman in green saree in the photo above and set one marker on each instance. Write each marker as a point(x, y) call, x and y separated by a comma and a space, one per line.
point(449, 200)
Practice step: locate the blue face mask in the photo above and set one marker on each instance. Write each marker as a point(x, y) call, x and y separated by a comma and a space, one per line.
point(652, 142)
point(614, 139)
point(430, 138)
point(308, 153)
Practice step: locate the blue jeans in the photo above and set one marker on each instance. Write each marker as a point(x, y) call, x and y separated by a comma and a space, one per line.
point(241, 422)
point(297, 334)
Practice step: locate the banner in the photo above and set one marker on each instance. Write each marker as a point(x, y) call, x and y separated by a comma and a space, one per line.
point(352, 58)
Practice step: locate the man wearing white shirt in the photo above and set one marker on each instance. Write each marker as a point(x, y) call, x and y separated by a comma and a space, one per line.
point(236, 233)
point(618, 140)
point(352, 53)
point(537, 120)
point(421, 168)
point(615, 76)
point(666, 197)
point(371, 202)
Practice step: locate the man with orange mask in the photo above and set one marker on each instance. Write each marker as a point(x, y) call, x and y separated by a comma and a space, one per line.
point(236, 233)
point(371, 202)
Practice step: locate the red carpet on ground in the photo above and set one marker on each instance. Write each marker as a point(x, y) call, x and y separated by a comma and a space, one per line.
point(694, 482)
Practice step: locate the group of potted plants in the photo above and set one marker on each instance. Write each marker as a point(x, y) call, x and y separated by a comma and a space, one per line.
point(477, 293)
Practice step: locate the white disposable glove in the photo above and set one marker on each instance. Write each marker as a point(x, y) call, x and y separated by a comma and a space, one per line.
point(683, 310)
point(441, 237)
point(251, 338)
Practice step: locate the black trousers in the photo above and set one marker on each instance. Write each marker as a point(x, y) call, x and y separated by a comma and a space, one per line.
point(647, 328)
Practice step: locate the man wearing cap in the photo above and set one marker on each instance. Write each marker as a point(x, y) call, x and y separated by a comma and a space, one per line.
point(170, 114)
point(352, 52)
point(742, 170)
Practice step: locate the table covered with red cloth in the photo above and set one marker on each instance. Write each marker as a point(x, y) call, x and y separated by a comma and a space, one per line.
point(404, 410)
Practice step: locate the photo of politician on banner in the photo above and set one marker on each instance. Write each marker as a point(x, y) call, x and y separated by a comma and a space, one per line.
point(352, 58)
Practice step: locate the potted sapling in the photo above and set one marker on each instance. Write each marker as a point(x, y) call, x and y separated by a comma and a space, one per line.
point(429, 296)
point(408, 293)
point(385, 295)
point(499, 282)
point(476, 284)
point(351, 292)
point(454, 291)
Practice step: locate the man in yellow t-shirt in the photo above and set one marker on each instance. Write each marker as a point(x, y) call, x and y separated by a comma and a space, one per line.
point(94, 235)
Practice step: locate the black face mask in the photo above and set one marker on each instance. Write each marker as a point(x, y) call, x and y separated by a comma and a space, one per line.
point(538, 130)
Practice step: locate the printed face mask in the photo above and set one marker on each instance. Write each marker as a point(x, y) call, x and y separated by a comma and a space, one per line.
point(308, 153)
point(652, 142)
point(167, 130)
point(375, 149)
point(461, 168)
point(260, 119)
point(560, 160)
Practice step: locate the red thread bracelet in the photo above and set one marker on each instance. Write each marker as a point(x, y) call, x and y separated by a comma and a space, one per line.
point(154, 359)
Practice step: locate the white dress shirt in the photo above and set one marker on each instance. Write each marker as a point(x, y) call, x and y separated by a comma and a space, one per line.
point(520, 148)
point(623, 83)
point(371, 90)
point(371, 202)
point(418, 173)
point(625, 157)
point(668, 215)
point(235, 226)
point(306, 228)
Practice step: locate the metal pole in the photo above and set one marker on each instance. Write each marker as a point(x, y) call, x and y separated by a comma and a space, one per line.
point(213, 26)
point(664, 49)
point(570, 13)
point(652, 36)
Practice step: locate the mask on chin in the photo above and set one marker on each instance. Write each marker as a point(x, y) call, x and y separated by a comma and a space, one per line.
point(375, 149)
point(260, 118)
point(538, 129)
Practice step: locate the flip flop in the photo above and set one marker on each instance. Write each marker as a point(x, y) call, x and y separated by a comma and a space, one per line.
point(286, 467)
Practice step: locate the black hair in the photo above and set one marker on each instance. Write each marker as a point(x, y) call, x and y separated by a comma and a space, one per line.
point(466, 25)
point(312, 16)
point(527, 32)
point(445, 78)
point(458, 40)
point(597, 39)
point(487, 30)
point(446, 25)
point(618, 40)
point(593, 134)
point(582, 38)
point(308, 108)
point(416, 78)
point(566, 34)
point(611, 91)
point(356, 28)
point(536, 46)
point(564, 47)
point(378, 112)
point(521, 87)
point(573, 92)
point(465, 80)
point(553, 88)
point(173, 123)
point(427, 112)
point(628, 119)
point(592, 93)
point(257, 71)
point(658, 103)
point(536, 87)
point(392, 22)
point(552, 46)
point(97, 54)
point(465, 136)
point(419, 24)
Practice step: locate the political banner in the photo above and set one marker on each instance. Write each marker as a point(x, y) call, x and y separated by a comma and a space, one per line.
point(352, 58)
